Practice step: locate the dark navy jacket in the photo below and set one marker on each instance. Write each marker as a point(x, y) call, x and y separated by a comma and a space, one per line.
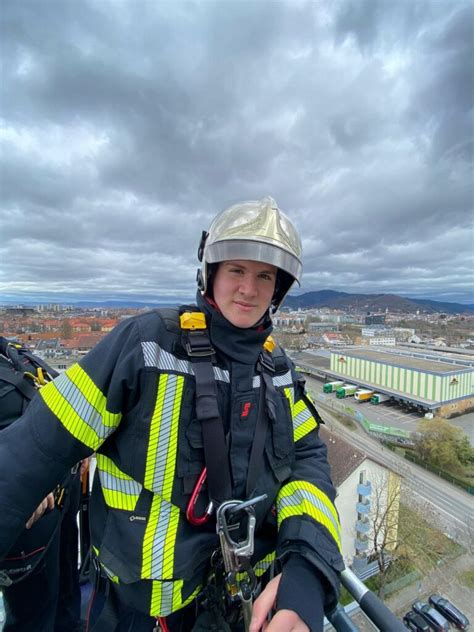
point(131, 400)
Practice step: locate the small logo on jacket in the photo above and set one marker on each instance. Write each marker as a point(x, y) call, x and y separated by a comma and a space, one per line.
point(245, 409)
point(139, 518)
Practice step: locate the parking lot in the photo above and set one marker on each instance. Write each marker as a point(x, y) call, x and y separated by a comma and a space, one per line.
point(390, 413)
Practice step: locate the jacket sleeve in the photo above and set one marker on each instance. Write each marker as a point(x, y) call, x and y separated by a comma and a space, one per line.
point(308, 521)
point(66, 421)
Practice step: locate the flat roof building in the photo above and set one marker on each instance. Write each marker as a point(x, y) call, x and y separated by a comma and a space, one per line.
point(432, 380)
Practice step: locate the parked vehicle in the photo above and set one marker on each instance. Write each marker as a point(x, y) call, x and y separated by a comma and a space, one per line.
point(434, 618)
point(379, 398)
point(449, 611)
point(330, 387)
point(363, 395)
point(346, 391)
point(414, 621)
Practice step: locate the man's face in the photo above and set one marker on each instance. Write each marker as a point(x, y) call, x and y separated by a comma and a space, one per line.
point(243, 290)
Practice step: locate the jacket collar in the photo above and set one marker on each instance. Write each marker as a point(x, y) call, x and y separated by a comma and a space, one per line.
point(240, 345)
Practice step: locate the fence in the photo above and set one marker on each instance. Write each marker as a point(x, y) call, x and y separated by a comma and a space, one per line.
point(358, 416)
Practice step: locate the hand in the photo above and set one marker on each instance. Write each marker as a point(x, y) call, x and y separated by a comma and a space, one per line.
point(283, 621)
point(84, 466)
point(45, 505)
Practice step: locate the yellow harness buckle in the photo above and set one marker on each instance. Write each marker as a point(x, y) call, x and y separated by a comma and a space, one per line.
point(192, 320)
point(269, 344)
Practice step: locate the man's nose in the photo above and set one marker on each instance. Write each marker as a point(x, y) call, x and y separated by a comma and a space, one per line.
point(248, 286)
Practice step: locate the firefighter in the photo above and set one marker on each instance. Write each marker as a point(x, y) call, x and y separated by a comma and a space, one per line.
point(212, 486)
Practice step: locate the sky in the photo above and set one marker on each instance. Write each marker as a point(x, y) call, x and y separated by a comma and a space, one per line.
point(126, 126)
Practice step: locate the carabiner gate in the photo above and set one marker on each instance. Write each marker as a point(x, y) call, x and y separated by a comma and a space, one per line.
point(191, 506)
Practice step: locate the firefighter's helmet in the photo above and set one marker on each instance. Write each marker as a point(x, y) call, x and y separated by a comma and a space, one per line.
point(256, 231)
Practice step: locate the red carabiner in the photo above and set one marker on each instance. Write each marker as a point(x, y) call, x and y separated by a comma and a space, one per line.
point(162, 626)
point(192, 518)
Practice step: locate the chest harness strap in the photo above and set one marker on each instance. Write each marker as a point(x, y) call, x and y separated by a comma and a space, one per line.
point(200, 351)
point(235, 554)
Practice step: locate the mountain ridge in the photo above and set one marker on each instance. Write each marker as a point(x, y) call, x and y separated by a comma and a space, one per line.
point(320, 298)
point(373, 302)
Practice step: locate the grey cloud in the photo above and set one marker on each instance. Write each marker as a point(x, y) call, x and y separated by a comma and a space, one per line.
point(128, 126)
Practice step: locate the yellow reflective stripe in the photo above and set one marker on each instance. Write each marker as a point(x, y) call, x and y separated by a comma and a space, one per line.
point(163, 440)
point(299, 498)
point(290, 395)
point(260, 567)
point(80, 407)
point(166, 597)
point(120, 490)
point(107, 571)
point(110, 575)
point(302, 430)
point(160, 540)
point(303, 420)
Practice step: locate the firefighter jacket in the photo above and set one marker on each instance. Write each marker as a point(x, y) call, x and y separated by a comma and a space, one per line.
point(131, 400)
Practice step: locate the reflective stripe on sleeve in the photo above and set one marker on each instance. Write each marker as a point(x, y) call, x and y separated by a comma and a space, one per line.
point(163, 441)
point(120, 490)
point(303, 420)
point(80, 406)
point(299, 498)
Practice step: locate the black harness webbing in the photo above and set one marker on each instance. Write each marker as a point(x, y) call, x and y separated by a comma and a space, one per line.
point(201, 352)
point(19, 381)
point(215, 446)
point(265, 364)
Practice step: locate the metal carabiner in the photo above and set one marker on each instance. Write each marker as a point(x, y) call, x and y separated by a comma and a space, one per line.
point(191, 506)
point(232, 550)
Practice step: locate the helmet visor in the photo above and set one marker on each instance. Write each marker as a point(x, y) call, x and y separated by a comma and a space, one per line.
point(235, 249)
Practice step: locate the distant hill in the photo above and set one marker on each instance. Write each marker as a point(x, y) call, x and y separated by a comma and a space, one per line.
point(322, 298)
point(373, 303)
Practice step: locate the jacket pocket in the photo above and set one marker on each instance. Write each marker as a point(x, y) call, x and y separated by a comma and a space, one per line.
point(280, 450)
point(190, 452)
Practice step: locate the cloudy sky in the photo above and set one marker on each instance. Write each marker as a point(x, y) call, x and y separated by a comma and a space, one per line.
point(126, 126)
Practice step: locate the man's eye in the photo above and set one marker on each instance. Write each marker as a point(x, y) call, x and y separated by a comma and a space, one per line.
point(267, 277)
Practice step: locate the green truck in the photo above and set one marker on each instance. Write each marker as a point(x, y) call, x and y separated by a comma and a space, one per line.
point(330, 387)
point(378, 398)
point(346, 391)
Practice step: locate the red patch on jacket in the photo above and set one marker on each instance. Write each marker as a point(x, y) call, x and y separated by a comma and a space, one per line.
point(245, 409)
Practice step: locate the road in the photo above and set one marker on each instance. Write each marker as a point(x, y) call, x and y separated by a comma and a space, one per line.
point(454, 507)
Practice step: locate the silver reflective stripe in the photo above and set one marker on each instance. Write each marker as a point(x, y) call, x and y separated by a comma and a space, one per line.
point(117, 484)
point(165, 428)
point(159, 539)
point(167, 597)
point(283, 380)
point(279, 380)
point(296, 498)
point(221, 375)
point(155, 356)
point(90, 415)
point(301, 417)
